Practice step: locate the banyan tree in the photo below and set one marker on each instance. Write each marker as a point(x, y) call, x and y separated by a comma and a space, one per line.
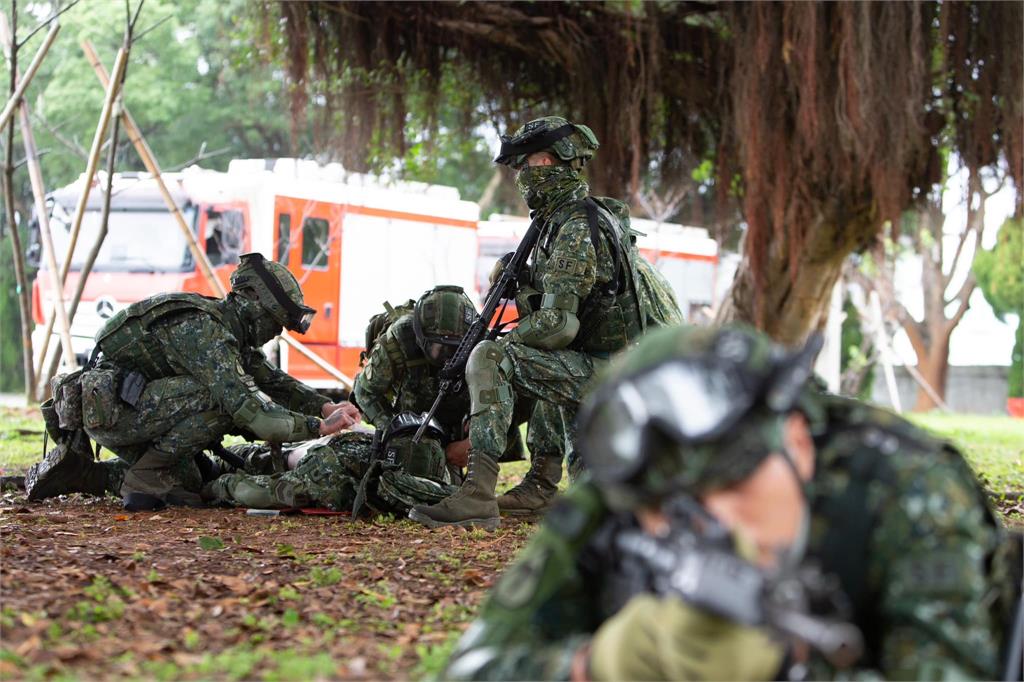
point(822, 120)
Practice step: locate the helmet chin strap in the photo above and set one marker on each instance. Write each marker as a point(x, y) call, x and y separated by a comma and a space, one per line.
point(791, 556)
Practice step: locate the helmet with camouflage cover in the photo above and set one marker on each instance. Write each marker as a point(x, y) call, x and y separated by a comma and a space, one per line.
point(689, 409)
point(424, 459)
point(276, 290)
point(441, 317)
point(573, 143)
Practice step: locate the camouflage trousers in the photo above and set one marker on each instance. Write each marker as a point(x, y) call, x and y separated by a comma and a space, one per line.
point(327, 475)
point(174, 419)
point(555, 380)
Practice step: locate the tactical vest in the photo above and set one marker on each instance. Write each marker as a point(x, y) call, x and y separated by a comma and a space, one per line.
point(378, 325)
point(862, 449)
point(127, 340)
point(612, 315)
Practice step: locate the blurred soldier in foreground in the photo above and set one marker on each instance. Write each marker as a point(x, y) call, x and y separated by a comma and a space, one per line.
point(327, 472)
point(405, 352)
point(722, 418)
point(175, 373)
point(582, 297)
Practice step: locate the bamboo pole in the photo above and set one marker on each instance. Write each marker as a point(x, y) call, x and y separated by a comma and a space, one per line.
point(17, 255)
point(345, 380)
point(33, 66)
point(101, 236)
point(150, 162)
point(35, 175)
point(90, 171)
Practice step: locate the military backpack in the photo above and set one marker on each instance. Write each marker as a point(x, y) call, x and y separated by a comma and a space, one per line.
point(379, 324)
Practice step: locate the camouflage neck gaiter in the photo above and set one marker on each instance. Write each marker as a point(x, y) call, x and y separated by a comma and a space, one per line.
point(546, 187)
point(258, 326)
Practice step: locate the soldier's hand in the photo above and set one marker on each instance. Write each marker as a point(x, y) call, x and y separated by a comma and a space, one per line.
point(351, 410)
point(457, 453)
point(654, 638)
point(339, 419)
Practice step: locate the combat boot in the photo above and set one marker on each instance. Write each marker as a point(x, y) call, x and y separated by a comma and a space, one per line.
point(471, 505)
point(67, 468)
point(533, 495)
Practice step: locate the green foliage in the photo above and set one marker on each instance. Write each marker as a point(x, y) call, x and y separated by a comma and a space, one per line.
point(11, 376)
point(993, 445)
point(325, 577)
point(1000, 273)
point(210, 543)
point(851, 357)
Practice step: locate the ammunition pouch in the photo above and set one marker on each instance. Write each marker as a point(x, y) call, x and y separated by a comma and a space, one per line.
point(66, 390)
point(101, 400)
point(608, 323)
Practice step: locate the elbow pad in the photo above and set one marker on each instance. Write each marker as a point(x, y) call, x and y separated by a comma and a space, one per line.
point(554, 326)
point(268, 421)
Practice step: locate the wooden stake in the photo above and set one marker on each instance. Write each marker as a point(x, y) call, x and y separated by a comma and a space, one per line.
point(35, 175)
point(90, 171)
point(150, 162)
point(19, 91)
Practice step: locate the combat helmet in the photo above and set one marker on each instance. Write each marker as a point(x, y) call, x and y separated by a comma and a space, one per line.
point(440, 318)
point(688, 410)
point(573, 143)
point(413, 473)
point(276, 289)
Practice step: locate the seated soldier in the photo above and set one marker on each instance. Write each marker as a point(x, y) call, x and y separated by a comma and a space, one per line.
point(327, 472)
point(401, 374)
point(896, 517)
point(175, 373)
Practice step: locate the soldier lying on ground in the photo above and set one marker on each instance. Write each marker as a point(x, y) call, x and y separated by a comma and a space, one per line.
point(175, 373)
point(584, 296)
point(724, 417)
point(404, 359)
point(327, 472)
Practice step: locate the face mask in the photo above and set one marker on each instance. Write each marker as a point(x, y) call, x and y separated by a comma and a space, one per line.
point(546, 185)
point(259, 325)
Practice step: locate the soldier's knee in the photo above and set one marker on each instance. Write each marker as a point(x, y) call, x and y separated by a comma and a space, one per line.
point(487, 372)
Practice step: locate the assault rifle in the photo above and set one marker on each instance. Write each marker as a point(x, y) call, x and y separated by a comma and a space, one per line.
point(453, 374)
point(703, 570)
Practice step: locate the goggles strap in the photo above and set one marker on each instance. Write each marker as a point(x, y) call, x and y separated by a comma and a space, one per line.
point(534, 144)
point(293, 311)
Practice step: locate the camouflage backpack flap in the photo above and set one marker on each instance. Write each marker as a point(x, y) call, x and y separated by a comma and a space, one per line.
point(399, 491)
point(122, 338)
point(379, 324)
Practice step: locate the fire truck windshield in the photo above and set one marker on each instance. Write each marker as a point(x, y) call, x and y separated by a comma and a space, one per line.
point(137, 240)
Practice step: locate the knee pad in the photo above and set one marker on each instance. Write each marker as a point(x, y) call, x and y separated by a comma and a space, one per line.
point(487, 373)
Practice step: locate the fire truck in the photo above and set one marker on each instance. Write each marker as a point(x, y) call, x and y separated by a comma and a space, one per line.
point(351, 240)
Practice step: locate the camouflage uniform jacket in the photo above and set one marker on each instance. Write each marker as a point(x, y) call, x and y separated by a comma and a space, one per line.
point(398, 378)
point(898, 516)
point(205, 341)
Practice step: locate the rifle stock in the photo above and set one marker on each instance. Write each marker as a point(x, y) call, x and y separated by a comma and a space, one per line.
point(453, 374)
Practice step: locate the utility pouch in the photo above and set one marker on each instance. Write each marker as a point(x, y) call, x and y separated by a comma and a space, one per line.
point(132, 386)
point(66, 390)
point(101, 402)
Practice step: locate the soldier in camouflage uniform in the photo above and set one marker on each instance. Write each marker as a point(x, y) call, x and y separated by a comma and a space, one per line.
point(176, 372)
point(327, 472)
point(401, 375)
point(723, 416)
point(583, 297)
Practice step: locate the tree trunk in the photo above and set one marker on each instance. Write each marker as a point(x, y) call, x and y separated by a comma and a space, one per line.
point(792, 298)
point(934, 369)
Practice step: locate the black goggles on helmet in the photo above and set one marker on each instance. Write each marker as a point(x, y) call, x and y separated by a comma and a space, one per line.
point(686, 401)
point(534, 143)
point(298, 318)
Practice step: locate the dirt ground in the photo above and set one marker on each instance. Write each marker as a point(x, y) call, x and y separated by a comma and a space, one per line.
point(94, 592)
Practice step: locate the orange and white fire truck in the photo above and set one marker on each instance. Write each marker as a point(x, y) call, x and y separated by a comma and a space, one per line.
point(351, 241)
